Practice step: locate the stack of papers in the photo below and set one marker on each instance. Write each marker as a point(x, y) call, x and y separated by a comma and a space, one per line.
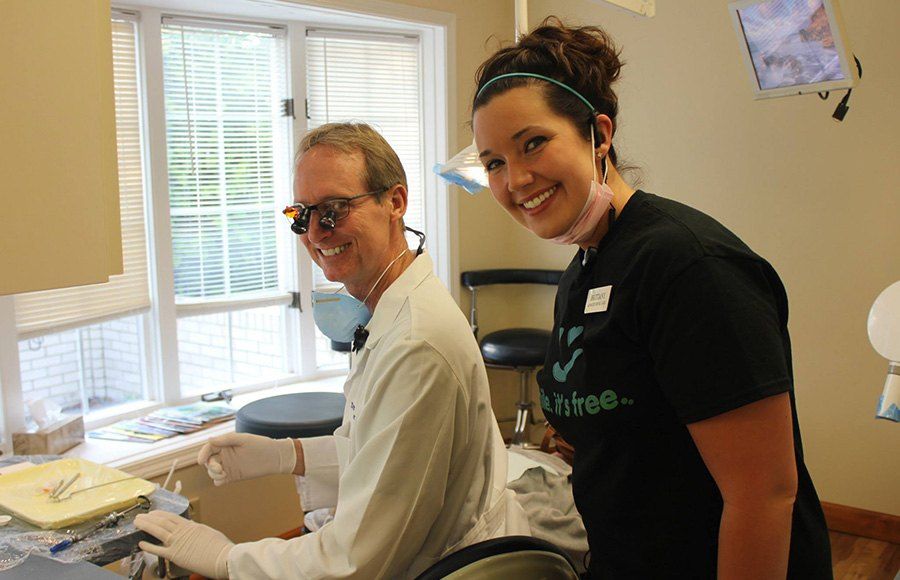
point(166, 423)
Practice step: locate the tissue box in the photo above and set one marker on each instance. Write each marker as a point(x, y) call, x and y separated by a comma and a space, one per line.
point(51, 440)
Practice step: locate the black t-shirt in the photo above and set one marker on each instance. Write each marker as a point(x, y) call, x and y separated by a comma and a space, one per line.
point(673, 320)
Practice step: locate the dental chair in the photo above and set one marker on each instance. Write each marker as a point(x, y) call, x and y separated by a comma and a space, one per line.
point(519, 557)
point(517, 349)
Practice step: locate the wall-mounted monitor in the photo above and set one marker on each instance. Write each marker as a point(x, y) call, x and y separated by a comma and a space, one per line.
point(792, 47)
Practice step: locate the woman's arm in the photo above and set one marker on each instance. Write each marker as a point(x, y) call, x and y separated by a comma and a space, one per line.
point(750, 453)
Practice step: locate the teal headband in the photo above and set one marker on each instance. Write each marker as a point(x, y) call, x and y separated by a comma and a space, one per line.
point(543, 78)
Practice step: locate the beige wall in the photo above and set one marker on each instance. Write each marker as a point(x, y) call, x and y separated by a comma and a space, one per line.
point(819, 199)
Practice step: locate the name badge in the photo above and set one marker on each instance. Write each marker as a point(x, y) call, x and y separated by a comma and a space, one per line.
point(597, 299)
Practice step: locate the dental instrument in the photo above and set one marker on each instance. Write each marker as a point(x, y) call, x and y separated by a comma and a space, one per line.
point(58, 491)
point(107, 522)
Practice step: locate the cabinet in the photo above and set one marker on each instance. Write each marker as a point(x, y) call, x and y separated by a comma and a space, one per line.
point(59, 198)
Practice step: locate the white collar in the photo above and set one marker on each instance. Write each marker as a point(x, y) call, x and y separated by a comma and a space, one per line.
point(395, 296)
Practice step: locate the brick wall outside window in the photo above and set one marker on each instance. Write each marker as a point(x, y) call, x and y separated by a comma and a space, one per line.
point(103, 359)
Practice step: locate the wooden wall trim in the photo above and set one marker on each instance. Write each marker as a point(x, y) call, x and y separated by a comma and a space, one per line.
point(860, 522)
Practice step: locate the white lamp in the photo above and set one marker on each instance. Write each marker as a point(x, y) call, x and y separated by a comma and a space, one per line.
point(884, 334)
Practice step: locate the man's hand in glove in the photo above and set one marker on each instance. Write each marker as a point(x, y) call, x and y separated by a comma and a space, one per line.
point(238, 456)
point(188, 544)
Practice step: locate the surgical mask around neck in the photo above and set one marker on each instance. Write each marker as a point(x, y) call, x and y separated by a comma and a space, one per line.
point(339, 315)
point(597, 203)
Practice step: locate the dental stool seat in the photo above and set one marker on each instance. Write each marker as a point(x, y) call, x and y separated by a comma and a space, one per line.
point(515, 347)
point(294, 415)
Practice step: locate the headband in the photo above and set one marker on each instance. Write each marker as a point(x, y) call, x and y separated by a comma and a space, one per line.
point(543, 78)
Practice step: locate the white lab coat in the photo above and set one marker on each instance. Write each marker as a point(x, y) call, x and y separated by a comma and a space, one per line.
point(418, 468)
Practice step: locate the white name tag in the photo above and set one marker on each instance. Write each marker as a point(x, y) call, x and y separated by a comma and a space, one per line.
point(597, 300)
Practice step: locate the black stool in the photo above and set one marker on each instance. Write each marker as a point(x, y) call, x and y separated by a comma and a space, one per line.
point(518, 349)
point(293, 415)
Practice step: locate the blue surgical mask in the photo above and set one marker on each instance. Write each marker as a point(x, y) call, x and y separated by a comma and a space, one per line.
point(339, 315)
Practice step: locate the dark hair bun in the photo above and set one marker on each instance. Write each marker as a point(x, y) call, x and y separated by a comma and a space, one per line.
point(585, 58)
point(586, 54)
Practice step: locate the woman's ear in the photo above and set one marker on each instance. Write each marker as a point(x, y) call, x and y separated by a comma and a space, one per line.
point(603, 129)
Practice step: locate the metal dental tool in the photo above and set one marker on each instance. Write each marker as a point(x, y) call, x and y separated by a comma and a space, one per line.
point(77, 491)
point(107, 522)
point(59, 490)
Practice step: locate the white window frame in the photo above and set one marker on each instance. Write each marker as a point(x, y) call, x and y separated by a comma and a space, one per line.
point(436, 31)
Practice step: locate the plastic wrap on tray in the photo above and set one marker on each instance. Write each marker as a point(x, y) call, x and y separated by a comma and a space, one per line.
point(20, 538)
point(96, 490)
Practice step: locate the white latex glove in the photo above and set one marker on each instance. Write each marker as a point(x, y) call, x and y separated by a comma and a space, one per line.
point(188, 544)
point(238, 456)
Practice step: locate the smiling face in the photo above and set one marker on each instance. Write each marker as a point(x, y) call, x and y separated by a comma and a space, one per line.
point(539, 166)
point(356, 251)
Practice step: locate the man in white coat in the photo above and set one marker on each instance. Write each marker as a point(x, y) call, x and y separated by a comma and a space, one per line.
point(417, 470)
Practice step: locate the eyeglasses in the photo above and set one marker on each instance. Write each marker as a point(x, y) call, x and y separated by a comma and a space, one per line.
point(330, 212)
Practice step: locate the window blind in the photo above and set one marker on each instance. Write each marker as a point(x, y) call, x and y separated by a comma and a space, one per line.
point(56, 310)
point(227, 155)
point(376, 79)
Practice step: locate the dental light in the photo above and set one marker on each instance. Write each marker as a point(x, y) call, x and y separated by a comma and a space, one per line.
point(884, 334)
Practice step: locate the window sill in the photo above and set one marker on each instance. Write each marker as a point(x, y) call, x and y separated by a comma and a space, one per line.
point(149, 460)
point(112, 414)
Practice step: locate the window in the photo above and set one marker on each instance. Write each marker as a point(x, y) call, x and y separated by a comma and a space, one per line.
point(216, 289)
point(86, 369)
point(228, 166)
point(226, 156)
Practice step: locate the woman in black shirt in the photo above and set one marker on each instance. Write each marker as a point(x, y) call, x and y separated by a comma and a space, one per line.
point(670, 365)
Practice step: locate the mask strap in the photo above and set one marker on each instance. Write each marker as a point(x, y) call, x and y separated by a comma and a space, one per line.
point(605, 161)
point(418, 252)
point(400, 255)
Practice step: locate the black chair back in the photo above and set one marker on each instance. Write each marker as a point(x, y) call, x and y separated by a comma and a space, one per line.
point(488, 548)
point(473, 279)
